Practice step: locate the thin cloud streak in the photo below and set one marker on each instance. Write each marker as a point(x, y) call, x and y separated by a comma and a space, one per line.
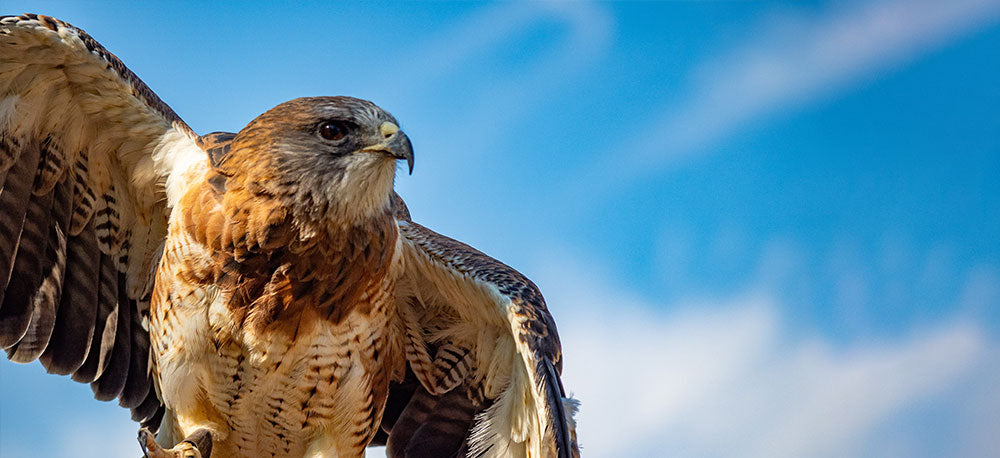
point(491, 100)
point(797, 59)
point(587, 31)
point(723, 376)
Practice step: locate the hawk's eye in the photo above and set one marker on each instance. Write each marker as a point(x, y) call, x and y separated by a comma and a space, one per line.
point(333, 130)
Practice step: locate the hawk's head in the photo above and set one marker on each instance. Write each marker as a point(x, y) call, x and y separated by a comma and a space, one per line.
point(332, 157)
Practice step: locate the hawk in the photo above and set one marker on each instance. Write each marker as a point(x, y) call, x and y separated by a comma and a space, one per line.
point(253, 293)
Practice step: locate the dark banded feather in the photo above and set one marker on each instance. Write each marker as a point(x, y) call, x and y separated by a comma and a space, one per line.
point(14, 206)
point(73, 334)
point(153, 421)
point(111, 381)
point(10, 150)
point(26, 274)
point(432, 426)
point(51, 168)
point(138, 383)
point(45, 301)
point(107, 222)
point(147, 408)
point(83, 199)
point(451, 365)
point(105, 324)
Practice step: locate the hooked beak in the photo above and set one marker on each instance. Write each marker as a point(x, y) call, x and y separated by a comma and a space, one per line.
point(395, 143)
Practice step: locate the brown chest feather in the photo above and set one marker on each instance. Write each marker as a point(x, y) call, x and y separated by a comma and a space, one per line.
point(274, 267)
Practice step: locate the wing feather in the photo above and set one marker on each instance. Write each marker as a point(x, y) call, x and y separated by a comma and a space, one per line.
point(138, 381)
point(111, 381)
point(26, 275)
point(75, 320)
point(490, 327)
point(45, 301)
point(14, 203)
point(91, 162)
point(432, 425)
point(108, 295)
point(105, 323)
point(83, 200)
point(148, 409)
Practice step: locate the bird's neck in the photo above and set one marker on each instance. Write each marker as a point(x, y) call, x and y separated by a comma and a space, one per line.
point(363, 192)
point(276, 265)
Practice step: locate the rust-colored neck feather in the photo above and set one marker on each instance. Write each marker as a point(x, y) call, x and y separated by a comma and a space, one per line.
point(275, 266)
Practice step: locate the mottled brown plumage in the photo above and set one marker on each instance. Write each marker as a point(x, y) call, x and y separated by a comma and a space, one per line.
point(263, 292)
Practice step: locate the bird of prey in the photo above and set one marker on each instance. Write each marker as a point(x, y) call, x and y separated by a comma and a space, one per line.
point(263, 293)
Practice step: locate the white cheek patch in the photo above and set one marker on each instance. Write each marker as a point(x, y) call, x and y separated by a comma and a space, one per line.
point(365, 188)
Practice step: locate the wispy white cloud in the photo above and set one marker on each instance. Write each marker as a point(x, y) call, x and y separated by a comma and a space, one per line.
point(584, 32)
point(477, 104)
point(587, 31)
point(981, 291)
point(726, 377)
point(792, 59)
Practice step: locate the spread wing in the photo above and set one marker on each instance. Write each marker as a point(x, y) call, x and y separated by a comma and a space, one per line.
point(475, 326)
point(87, 156)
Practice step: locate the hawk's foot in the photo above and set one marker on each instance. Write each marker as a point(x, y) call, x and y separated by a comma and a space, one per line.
point(197, 445)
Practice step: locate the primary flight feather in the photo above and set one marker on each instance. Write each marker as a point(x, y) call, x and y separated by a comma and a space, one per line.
point(255, 293)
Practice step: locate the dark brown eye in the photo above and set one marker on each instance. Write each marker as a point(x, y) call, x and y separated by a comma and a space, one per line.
point(333, 130)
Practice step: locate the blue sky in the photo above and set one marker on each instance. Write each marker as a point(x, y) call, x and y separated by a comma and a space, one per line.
point(765, 228)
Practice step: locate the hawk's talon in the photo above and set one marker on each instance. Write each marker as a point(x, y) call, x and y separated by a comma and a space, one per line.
point(185, 449)
point(147, 441)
